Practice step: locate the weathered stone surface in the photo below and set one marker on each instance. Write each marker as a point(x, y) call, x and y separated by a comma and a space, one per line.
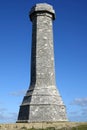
point(42, 101)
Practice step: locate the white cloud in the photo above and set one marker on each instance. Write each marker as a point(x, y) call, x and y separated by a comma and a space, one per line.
point(80, 102)
point(12, 117)
point(7, 117)
point(78, 115)
point(84, 111)
point(2, 110)
point(73, 113)
point(1, 116)
point(79, 110)
point(18, 93)
point(78, 118)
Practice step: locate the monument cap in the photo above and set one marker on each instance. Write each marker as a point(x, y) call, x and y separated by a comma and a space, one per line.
point(42, 8)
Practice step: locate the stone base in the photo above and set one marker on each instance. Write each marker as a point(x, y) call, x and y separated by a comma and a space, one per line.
point(42, 105)
point(41, 113)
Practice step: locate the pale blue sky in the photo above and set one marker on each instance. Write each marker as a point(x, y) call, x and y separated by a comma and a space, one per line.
point(70, 44)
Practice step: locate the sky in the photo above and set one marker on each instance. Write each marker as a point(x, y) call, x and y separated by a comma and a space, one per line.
point(70, 49)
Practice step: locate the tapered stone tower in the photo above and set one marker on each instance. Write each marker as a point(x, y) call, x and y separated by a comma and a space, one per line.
point(42, 101)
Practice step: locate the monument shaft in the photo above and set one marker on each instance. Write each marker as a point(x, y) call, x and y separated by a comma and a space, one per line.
point(42, 62)
point(42, 101)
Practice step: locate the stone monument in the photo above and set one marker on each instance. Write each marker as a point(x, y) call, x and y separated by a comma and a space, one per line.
point(42, 102)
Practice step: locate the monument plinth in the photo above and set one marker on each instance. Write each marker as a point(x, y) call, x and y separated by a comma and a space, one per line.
point(42, 101)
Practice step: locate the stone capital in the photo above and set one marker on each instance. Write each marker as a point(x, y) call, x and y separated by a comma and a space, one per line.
point(42, 9)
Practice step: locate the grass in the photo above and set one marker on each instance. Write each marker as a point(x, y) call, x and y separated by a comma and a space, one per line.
point(80, 127)
point(49, 128)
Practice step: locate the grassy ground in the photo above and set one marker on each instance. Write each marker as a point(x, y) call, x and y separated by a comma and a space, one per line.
point(80, 127)
point(45, 126)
